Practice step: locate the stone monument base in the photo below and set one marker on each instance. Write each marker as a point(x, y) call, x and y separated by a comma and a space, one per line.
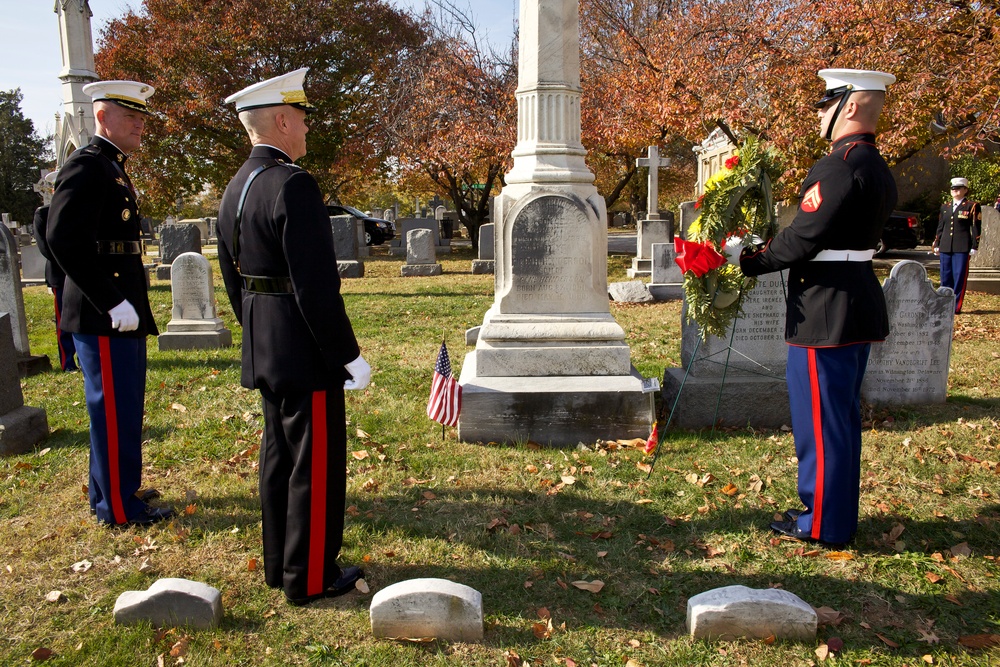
point(408, 270)
point(33, 365)
point(483, 266)
point(556, 411)
point(666, 291)
point(351, 269)
point(747, 400)
point(983, 280)
point(195, 335)
point(163, 272)
point(21, 429)
point(641, 268)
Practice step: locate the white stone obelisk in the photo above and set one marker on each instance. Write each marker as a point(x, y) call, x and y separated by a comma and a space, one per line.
point(76, 127)
point(551, 364)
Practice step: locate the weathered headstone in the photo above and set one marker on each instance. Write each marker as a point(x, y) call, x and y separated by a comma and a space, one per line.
point(984, 266)
point(486, 261)
point(171, 602)
point(175, 240)
point(659, 230)
point(420, 258)
point(688, 214)
point(21, 427)
point(194, 323)
point(667, 280)
point(201, 224)
point(404, 226)
point(738, 612)
point(754, 367)
point(911, 366)
point(345, 243)
point(12, 302)
point(423, 608)
point(32, 265)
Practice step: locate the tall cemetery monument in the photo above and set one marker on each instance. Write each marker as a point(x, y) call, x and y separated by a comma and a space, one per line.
point(76, 127)
point(551, 364)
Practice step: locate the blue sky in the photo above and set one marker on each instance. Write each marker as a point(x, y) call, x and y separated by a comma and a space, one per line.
point(29, 45)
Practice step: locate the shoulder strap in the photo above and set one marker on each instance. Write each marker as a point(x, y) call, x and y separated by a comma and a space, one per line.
point(239, 210)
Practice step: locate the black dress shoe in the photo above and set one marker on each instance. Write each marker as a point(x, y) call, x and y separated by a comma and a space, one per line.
point(791, 529)
point(344, 584)
point(148, 516)
point(792, 514)
point(145, 495)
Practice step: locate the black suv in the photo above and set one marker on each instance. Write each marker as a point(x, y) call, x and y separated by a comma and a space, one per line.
point(377, 231)
point(899, 233)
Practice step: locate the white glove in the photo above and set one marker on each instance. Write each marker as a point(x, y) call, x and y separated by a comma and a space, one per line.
point(972, 252)
point(937, 251)
point(732, 249)
point(124, 317)
point(361, 374)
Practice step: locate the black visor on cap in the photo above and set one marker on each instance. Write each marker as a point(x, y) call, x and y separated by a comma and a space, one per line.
point(830, 95)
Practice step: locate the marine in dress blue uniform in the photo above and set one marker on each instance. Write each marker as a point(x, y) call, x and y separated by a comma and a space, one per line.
point(835, 306)
point(54, 278)
point(93, 235)
point(957, 238)
point(277, 259)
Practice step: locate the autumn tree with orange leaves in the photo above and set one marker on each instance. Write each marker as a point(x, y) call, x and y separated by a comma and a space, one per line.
point(455, 121)
point(667, 69)
point(197, 52)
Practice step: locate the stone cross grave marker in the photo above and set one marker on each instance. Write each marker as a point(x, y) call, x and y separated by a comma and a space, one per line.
point(654, 163)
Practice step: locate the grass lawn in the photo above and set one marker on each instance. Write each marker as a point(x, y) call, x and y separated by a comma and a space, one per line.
point(519, 523)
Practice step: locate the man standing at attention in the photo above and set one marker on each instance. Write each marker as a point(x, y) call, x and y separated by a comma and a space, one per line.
point(957, 238)
point(93, 235)
point(55, 279)
point(835, 307)
point(278, 262)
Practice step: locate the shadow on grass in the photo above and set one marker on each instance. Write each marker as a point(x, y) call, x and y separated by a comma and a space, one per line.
point(651, 566)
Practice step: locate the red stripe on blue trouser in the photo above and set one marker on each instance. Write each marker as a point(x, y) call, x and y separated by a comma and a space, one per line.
point(303, 465)
point(824, 393)
point(114, 383)
point(64, 339)
point(955, 274)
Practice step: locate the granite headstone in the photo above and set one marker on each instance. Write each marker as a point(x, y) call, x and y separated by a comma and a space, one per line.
point(911, 366)
point(345, 243)
point(486, 261)
point(194, 323)
point(12, 302)
point(420, 257)
point(21, 426)
point(175, 240)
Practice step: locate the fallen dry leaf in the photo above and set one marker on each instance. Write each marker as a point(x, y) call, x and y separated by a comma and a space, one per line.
point(979, 641)
point(828, 616)
point(822, 652)
point(190, 509)
point(54, 596)
point(428, 495)
point(543, 629)
point(544, 613)
point(933, 578)
point(961, 549)
point(568, 479)
point(360, 455)
point(362, 435)
point(632, 663)
point(178, 407)
point(730, 489)
point(645, 467)
point(145, 565)
point(82, 566)
point(839, 555)
point(41, 653)
point(594, 586)
point(361, 585)
point(252, 564)
point(888, 642)
point(929, 659)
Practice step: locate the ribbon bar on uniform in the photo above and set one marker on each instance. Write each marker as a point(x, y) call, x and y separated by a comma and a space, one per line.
point(119, 248)
point(267, 285)
point(844, 256)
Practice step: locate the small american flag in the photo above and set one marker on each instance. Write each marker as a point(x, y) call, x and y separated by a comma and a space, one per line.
point(446, 394)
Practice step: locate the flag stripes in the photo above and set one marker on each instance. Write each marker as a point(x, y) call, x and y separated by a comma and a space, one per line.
point(446, 394)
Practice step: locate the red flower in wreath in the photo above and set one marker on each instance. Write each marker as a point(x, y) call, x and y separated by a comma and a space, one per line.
point(732, 162)
point(697, 204)
point(698, 258)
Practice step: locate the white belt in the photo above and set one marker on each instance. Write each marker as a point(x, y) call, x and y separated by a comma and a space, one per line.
point(844, 256)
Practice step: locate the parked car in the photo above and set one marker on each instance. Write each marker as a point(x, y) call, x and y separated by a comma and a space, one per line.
point(377, 231)
point(899, 233)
